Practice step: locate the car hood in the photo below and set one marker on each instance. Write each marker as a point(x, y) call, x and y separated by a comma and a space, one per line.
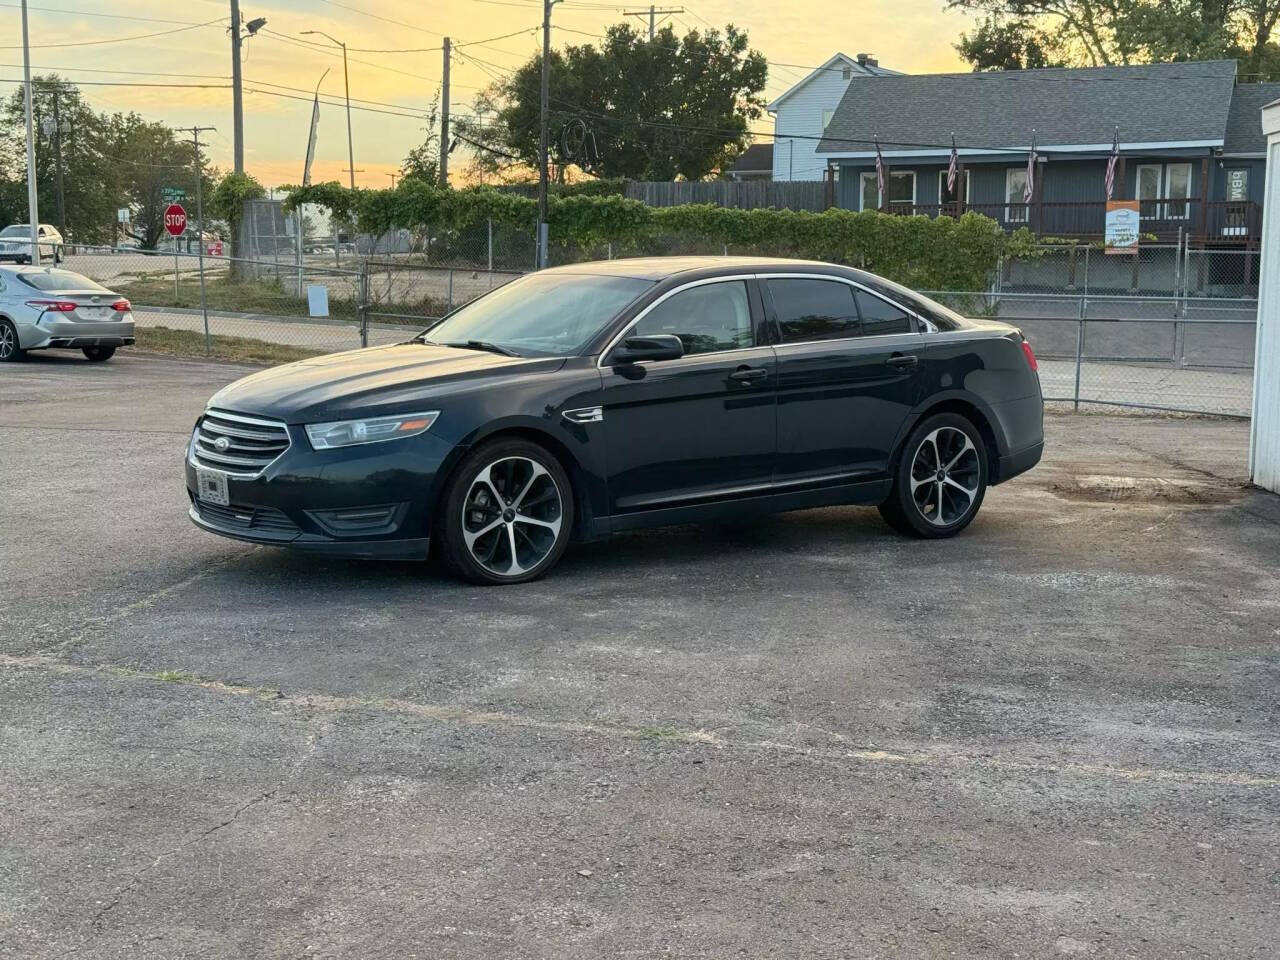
point(371, 381)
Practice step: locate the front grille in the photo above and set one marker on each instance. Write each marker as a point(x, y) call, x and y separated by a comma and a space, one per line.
point(262, 519)
point(252, 443)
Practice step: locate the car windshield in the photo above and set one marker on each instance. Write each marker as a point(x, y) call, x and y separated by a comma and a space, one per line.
point(55, 280)
point(541, 314)
point(16, 230)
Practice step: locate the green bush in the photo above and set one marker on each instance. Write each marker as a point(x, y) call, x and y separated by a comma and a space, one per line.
point(943, 253)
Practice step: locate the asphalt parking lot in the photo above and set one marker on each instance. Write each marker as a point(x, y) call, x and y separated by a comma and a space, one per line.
point(1055, 735)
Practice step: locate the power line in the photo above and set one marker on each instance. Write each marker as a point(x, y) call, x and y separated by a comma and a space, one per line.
point(133, 73)
point(374, 16)
point(124, 83)
point(112, 16)
point(98, 43)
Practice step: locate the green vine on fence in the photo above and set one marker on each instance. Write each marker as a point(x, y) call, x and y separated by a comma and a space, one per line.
point(943, 253)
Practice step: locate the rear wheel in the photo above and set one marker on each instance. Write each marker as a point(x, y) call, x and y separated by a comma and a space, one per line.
point(508, 513)
point(940, 479)
point(10, 350)
point(98, 354)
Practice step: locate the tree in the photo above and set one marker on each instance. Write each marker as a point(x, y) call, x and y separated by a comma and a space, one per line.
point(1012, 34)
point(635, 108)
point(152, 158)
point(423, 161)
point(91, 181)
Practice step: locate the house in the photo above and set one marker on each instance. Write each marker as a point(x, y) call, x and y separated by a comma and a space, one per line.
point(801, 114)
point(756, 163)
point(1190, 147)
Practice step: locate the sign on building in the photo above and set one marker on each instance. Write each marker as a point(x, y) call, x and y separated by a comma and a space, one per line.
point(1122, 226)
point(1237, 185)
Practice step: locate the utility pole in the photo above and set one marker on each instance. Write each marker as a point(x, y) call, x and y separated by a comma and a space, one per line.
point(33, 205)
point(653, 13)
point(57, 168)
point(444, 119)
point(237, 99)
point(204, 303)
point(542, 133)
point(393, 179)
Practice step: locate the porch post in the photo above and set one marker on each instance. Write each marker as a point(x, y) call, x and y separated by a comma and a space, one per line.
point(1204, 198)
point(1118, 191)
point(1037, 200)
point(888, 184)
point(960, 189)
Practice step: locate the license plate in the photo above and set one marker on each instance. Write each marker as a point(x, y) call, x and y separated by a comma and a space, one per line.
point(93, 313)
point(211, 487)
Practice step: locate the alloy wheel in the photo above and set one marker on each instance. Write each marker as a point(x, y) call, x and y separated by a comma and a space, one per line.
point(511, 516)
point(945, 476)
point(8, 341)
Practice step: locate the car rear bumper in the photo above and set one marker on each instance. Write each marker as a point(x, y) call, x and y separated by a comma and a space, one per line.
point(1019, 461)
point(61, 333)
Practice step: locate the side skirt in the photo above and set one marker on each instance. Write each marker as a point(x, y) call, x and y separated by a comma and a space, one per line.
point(868, 492)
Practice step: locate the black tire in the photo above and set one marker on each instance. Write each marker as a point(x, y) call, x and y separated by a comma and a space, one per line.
point(932, 499)
point(476, 501)
point(99, 354)
point(10, 350)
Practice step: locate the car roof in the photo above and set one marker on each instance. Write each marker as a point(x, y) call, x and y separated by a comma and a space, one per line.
point(660, 268)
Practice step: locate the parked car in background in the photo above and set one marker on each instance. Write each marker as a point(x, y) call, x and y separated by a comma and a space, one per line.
point(15, 243)
point(45, 308)
point(586, 400)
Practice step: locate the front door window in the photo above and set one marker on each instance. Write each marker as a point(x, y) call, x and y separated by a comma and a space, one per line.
point(1015, 189)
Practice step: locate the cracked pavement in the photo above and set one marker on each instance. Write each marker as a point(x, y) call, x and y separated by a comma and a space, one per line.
point(799, 737)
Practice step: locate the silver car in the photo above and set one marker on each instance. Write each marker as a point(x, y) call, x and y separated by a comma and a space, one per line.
point(15, 243)
point(47, 307)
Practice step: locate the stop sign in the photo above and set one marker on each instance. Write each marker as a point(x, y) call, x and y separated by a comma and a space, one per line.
point(175, 219)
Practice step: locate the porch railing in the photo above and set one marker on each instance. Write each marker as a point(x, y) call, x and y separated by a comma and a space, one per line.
point(1208, 221)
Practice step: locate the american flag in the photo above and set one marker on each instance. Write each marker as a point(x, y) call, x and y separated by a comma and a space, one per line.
point(1029, 190)
point(1111, 163)
point(952, 167)
point(880, 173)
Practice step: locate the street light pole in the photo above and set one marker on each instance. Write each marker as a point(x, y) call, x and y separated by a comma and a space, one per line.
point(346, 82)
point(33, 205)
point(237, 99)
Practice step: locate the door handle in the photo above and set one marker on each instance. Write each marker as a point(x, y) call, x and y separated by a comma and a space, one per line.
point(903, 360)
point(748, 374)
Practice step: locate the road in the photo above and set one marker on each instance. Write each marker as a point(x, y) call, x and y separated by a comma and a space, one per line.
point(1055, 735)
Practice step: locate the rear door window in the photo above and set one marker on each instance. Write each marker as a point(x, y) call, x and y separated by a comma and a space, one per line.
point(814, 309)
point(880, 317)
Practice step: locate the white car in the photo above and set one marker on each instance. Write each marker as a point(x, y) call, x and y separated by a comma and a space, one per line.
point(15, 243)
point(49, 308)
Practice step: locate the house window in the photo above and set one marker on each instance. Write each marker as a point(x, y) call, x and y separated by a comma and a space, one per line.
point(902, 191)
point(948, 196)
point(826, 119)
point(1163, 190)
point(846, 73)
point(1015, 191)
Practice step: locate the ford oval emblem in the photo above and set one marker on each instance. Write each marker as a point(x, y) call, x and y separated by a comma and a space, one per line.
point(221, 444)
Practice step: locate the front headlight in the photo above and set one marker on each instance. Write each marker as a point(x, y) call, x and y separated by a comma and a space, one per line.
point(349, 433)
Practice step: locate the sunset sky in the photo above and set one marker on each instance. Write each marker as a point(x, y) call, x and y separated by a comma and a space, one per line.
point(910, 35)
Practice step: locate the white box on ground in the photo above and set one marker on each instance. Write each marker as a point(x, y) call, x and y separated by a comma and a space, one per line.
point(317, 300)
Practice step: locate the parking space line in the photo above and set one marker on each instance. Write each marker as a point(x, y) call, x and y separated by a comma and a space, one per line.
point(445, 713)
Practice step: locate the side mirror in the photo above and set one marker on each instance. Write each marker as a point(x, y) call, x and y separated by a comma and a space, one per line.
point(660, 346)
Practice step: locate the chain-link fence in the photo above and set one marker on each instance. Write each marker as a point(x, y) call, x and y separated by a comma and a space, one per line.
point(1173, 270)
point(1182, 350)
point(1187, 354)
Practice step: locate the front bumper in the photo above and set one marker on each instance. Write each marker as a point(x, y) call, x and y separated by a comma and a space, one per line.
point(51, 334)
point(374, 500)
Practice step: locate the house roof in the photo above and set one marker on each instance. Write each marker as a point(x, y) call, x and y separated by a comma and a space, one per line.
point(757, 157)
point(1169, 103)
point(837, 62)
point(1244, 121)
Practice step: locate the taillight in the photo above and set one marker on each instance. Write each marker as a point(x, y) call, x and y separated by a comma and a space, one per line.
point(57, 306)
point(1031, 357)
point(121, 306)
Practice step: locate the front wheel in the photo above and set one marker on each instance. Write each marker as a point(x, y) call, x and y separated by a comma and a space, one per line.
point(98, 354)
point(508, 513)
point(940, 479)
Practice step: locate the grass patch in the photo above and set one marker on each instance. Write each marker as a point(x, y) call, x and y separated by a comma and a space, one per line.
point(224, 293)
point(189, 343)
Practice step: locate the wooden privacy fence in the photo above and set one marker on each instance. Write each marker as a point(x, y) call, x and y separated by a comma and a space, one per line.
point(745, 195)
